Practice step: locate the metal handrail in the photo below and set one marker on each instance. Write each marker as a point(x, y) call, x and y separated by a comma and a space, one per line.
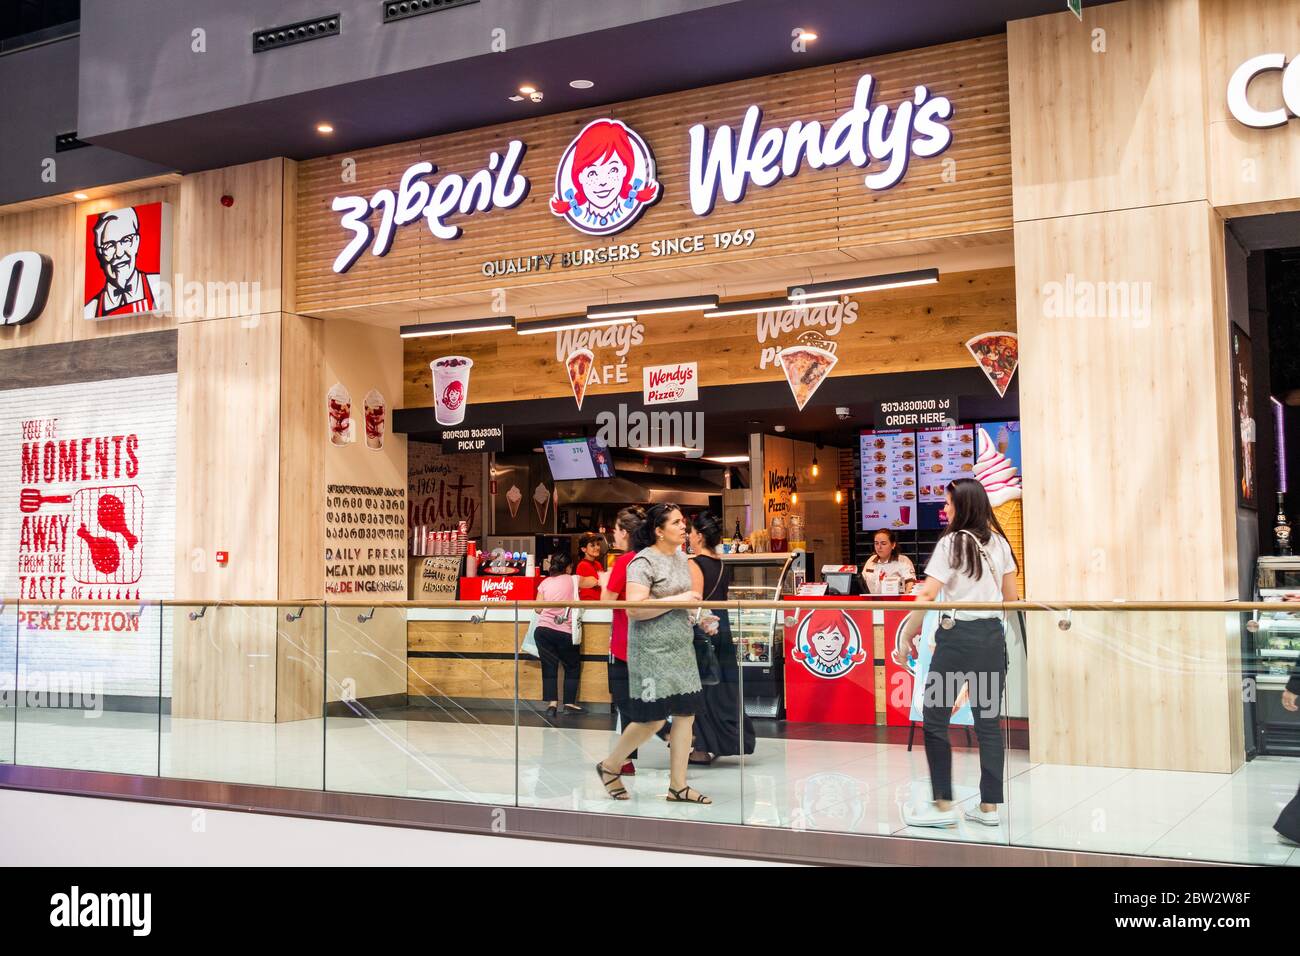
point(1074, 604)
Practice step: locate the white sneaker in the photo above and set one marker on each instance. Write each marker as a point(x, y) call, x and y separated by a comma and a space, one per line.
point(928, 815)
point(989, 818)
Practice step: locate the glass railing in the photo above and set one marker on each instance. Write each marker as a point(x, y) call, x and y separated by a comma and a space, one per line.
point(1135, 729)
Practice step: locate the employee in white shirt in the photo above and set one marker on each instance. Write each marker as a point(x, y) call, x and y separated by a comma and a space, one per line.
point(888, 571)
point(972, 562)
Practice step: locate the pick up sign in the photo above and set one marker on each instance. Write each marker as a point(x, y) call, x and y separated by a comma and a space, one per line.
point(464, 441)
point(661, 384)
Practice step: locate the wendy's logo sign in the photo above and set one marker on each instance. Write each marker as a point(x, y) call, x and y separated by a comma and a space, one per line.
point(828, 643)
point(453, 395)
point(605, 179)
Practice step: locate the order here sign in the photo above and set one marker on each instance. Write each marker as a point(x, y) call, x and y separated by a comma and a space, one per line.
point(459, 441)
point(926, 411)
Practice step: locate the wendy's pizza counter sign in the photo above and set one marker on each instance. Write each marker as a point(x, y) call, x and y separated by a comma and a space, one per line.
point(607, 176)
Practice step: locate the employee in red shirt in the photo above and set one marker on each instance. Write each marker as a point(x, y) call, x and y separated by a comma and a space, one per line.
point(615, 589)
point(591, 549)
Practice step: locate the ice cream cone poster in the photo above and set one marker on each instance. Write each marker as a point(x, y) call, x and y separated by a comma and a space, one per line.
point(998, 354)
point(338, 411)
point(806, 365)
point(514, 498)
point(997, 468)
point(578, 365)
point(541, 502)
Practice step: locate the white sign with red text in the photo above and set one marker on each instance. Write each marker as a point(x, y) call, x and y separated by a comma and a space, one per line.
point(88, 512)
point(661, 384)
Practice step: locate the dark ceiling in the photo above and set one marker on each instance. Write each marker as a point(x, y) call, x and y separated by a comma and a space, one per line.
point(732, 412)
point(732, 41)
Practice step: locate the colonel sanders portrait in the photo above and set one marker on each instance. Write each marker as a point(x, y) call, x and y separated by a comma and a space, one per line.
point(126, 290)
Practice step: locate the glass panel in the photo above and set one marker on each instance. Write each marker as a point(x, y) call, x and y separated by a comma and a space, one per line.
point(558, 752)
point(90, 680)
point(8, 680)
point(844, 749)
point(245, 701)
point(1138, 735)
point(421, 702)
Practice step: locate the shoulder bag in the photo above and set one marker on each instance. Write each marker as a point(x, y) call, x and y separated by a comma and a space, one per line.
point(706, 656)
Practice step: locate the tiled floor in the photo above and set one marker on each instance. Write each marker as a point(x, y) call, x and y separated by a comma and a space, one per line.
point(813, 784)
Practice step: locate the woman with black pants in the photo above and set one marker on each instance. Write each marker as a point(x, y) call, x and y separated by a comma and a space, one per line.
point(972, 562)
point(720, 728)
point(554, 637)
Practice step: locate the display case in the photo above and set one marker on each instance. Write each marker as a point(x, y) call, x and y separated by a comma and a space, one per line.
point(759, 633)
point(1271, 653)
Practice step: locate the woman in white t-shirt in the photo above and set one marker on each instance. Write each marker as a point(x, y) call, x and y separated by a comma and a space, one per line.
point(972, 562)
point(888, 571)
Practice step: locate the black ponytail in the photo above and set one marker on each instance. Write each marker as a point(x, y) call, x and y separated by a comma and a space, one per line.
point(656, 517)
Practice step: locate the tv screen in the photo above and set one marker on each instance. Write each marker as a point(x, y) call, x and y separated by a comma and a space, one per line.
point(572, 459)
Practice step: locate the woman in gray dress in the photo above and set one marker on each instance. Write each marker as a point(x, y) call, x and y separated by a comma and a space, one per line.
point(663, 677)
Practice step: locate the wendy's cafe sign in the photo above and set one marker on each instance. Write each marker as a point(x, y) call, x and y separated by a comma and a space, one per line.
point(1271, 115)
point(24, 286)
point(606, 176)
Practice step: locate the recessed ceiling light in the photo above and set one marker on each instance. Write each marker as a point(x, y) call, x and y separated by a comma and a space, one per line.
point(662, 449)
point(807, 36)
point(324, 128)
point(527, 90)
point(581, 84)
point(80, 196)
point(729, 459)
point(515, 99)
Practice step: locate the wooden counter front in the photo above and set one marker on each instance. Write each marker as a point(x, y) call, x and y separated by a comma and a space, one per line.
point(464, 660)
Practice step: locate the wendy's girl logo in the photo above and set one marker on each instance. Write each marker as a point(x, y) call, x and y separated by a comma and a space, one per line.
point(828, 643)
point(605, 179)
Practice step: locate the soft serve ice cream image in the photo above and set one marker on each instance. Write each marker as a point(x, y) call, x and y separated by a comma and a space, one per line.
point(514, 497)
point(338, 407)
point(541, 502)
point(1001, 479)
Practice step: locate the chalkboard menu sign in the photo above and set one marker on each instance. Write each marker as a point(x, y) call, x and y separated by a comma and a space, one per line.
point(435, 579)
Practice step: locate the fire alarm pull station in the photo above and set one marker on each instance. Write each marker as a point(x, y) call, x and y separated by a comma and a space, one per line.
point(223, 558)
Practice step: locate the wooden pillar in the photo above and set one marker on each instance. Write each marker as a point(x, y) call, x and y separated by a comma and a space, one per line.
point(1125, 403)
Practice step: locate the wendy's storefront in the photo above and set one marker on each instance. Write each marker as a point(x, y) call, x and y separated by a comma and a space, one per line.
point(778, 269)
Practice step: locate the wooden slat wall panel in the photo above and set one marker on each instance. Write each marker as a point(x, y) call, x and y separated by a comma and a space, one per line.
point(489, 637)
point(302, 457)
point(814, 212)
point(486, 679)
point(900, 330)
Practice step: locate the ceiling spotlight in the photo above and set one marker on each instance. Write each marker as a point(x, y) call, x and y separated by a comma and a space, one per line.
point(581, 84)
point(80, 196)
point(839, 497)
point(527, 90)
point(324, 128)
point(807, 36)
point(729, 459)
point(536, 97)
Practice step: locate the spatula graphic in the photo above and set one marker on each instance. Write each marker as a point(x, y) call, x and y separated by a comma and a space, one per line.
point(30, 500)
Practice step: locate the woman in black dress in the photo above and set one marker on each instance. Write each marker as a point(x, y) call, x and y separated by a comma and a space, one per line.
point(719, 726)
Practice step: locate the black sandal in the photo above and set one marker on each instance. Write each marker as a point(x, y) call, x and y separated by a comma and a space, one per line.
point(617, 791)
point(681, 796)
point(708, 758)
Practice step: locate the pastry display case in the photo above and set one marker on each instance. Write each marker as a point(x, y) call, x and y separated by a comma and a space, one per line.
point(758, 633)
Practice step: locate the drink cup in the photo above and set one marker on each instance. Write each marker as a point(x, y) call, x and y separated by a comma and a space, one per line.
point(905, 514)
point(450, 388)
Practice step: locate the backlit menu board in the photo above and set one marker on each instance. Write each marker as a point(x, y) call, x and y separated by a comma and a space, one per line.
point(943, 455)
point(889, 480)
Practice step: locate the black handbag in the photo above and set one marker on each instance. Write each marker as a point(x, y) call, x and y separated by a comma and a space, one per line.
point(706, 657)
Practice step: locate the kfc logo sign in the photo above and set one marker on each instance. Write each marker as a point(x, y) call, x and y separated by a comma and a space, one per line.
point(605, 179)
point(24, 286)
point(128, 251)
point(1239, 87)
